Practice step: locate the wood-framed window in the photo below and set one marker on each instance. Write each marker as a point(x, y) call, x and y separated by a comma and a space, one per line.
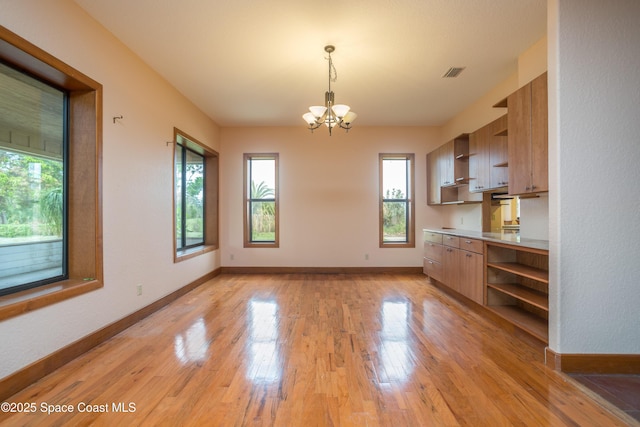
point(261, 211)
point(396, 213)
point(83, 175)
point(195, 207)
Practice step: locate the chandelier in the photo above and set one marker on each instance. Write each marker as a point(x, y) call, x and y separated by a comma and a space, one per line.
point(330, 114)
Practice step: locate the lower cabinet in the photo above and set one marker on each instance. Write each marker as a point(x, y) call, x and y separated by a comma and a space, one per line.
point(511, 281)
point(456, 262)
point(471, 266)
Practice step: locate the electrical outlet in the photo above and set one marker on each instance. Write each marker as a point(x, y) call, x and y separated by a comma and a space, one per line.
point(232, 257)
point(139, 289)
point(366, 257)
point(461, 220)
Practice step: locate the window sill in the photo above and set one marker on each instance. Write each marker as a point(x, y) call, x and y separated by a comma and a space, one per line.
point(193, 252)
point(32, 299)
point(397, 245)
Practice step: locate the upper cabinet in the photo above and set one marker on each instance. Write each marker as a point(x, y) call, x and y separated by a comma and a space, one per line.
point(527, 138)
point(448, 173)
point(434, 196)
point(510, 152)
point(488, 157)
point(498, 153)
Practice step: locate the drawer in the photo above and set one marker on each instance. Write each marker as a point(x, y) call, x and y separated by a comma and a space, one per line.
point(472, 245)
point(432, 237)
point(452, 241)
point(433, 251)
point(433, 269)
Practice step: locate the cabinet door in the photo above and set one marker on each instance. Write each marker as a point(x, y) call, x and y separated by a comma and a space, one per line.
point(445, 164)
point(433, 179)
point(539, 135)
point(479, 160)
point(433, 269)
point(451, 276)
point(498, 158)
point(519, 140)
point(471, 268)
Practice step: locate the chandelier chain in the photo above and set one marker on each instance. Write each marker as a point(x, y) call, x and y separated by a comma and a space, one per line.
point(333, 74)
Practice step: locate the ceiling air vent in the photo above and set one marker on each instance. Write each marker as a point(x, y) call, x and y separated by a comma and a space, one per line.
point(453, 72)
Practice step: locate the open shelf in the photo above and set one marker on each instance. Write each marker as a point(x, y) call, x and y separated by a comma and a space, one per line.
point(530, 296)
point(521, 270)
point(529, 322)
point(517, 286)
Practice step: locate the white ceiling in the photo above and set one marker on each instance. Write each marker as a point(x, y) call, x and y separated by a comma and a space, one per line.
point(262, 63)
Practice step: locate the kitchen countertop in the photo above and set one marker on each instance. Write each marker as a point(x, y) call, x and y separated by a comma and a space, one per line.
point(509, 238)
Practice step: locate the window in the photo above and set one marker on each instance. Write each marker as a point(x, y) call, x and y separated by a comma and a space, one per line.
point(195, 197)
point(189, 198)
point(51, 141)
point(261, 200)
point(32, 182)
point(396, 201)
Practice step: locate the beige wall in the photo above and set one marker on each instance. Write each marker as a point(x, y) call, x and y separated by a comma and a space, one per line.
point(328, 195)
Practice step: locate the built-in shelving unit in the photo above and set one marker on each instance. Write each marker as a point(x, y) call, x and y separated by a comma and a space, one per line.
point(517, 286)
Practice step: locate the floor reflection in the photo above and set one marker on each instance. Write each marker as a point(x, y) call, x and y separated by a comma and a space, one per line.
point(263, 337)
point(395, 357)
point(192, 346)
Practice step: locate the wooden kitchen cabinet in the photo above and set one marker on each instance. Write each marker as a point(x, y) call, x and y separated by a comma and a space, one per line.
point(509, 279)
point(456, 262)
point(434, 195)
point(479, 173)
point(499, 154)
point(433, 253)
point(488, 157)
point(446, 164)
point(527, 138)
point(471, 269)
point(448, 173)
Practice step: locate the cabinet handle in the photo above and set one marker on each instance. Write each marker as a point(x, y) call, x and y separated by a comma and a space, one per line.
point(533, 187)
point(527, 188)
point(468, 241)
point(469, 255)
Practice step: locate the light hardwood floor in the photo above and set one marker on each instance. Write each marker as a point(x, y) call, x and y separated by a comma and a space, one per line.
point(314, 350)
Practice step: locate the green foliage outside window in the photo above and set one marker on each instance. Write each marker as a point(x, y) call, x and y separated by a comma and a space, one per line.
point(263, 212)
point(31, 196)
point(394, 215)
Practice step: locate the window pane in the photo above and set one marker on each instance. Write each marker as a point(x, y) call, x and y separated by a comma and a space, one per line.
point(263, 221)
point(263, 176)
point(394, 221)
point(32, 189)
point(194, 198)
point(394, 173)
point(178, 194)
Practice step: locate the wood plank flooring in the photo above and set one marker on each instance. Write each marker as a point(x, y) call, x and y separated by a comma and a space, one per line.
point(313, 350)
